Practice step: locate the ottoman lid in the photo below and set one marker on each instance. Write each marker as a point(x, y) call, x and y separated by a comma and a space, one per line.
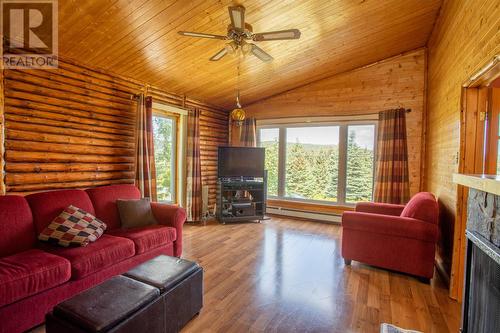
point(163, 272)
point(107, 304)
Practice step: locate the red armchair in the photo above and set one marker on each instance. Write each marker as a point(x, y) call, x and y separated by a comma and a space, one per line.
point(396, 237)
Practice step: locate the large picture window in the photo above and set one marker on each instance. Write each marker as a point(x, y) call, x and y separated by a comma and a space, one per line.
point(320, 162)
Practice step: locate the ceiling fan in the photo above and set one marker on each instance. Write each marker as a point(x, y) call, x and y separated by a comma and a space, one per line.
point(238, 32)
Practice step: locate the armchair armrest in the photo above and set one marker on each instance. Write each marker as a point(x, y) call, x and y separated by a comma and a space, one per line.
point(396, 226)
point(379, 208)
point(172, 216)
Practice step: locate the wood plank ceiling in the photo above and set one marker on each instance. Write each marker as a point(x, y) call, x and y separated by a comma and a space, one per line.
point(138, 39)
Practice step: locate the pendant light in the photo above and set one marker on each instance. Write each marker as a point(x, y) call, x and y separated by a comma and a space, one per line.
point(238, 114)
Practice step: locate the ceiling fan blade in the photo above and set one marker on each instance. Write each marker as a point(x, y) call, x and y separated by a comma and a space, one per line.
point(219, 55)
point(261, 54)
point(201, 35)
point(277, 35)
point(237, 15)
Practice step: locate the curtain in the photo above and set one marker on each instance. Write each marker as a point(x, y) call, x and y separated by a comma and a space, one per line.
point(391, 176)
point(145, 160)
point(248, 136)
point(193, 179)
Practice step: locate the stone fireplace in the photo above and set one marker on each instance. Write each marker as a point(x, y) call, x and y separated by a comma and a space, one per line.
point(481, 301)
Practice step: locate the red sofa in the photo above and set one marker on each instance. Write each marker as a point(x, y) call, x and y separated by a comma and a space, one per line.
point(35, 276)
point(396, 237)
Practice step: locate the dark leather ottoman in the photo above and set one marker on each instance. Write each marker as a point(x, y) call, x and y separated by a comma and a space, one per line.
point(181, 286)
point(119, 304)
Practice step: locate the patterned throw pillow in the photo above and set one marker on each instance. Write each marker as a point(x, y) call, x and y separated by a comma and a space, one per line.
point(73, 227)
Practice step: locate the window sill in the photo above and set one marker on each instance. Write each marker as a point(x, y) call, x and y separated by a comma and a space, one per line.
point(309, 206)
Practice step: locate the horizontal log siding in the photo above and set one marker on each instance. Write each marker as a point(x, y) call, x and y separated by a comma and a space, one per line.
point(74, 127)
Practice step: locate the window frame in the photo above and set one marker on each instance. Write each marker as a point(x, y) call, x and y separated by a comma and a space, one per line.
point(342, 168)
point(175, 150)
point(492, 133)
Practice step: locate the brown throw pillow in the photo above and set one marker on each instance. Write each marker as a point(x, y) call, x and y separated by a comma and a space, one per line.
point(135, 213)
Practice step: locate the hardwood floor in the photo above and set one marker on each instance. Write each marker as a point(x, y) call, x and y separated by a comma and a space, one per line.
point(287, 275)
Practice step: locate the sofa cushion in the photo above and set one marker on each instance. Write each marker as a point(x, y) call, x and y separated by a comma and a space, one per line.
point(30, 272)
point(106, 251)
point(17, 232)
point(135, 213)
point(148, 238)
point(104, 201)
point(73, 227)
point(422, 206)
point(46, 206)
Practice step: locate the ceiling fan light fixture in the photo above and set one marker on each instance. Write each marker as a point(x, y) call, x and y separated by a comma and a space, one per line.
point(246, 48)
point(231, 47)
point(238, 32)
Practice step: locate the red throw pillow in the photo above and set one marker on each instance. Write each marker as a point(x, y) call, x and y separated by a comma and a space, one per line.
point(73, 227)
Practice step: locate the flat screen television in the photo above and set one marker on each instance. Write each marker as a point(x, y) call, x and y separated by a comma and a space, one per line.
point(237, 162)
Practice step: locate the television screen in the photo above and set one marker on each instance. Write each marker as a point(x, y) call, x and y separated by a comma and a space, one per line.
point(241, 162)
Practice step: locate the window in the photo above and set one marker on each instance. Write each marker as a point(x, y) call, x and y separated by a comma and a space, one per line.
point(312, 159)
point(269, 139)
point(492, 137)
point(321, 162)
point(164, 136)
point(360, 159)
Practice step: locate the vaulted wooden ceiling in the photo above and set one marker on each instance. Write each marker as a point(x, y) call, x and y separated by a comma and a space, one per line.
point(138, 39)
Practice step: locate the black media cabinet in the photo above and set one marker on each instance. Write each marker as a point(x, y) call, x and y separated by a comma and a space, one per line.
point(241, 200)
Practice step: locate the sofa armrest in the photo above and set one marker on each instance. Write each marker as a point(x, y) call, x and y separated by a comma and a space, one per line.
point(396, 226)
point(379, 208)
point(172, 216)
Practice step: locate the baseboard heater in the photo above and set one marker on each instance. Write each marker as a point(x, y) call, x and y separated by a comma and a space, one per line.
point(323, 217)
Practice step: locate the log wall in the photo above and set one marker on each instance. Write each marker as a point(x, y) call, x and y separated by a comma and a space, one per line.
point(2, 181)
point(75, 127)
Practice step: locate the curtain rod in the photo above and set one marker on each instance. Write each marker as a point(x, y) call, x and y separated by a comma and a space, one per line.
point(373, 113)
point(398, 108)
point(135, 96)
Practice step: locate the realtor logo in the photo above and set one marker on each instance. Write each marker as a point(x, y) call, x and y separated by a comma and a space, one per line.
point(29, 34)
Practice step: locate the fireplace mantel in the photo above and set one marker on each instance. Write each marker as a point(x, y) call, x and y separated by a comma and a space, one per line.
point(485, 183)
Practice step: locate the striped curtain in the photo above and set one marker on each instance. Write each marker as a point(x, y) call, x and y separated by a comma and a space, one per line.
point(145, 178)
point(193, 181)
point(391, 175)
point(248, 136)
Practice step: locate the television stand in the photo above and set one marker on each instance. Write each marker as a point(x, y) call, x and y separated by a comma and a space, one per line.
point(241, 200)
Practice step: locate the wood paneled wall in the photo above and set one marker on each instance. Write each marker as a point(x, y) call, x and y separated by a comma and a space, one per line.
point(75, 127)
point(466, 37)
point(394, 82)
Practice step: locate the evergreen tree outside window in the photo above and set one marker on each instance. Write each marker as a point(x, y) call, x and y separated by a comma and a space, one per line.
point(312, 163)
point(269, 139)
point(330, 162)
point(164, 136)
point(360, 159)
